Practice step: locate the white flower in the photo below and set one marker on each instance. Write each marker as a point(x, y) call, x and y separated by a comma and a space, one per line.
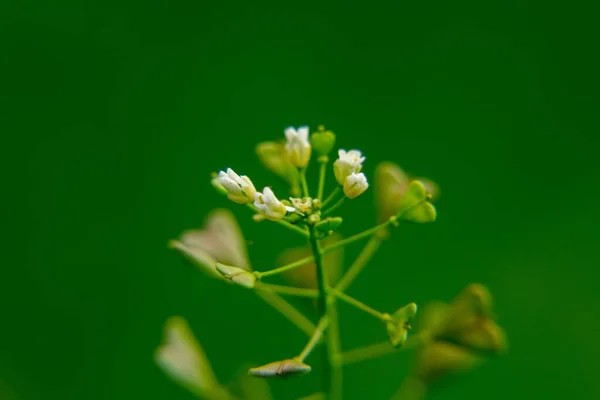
point(355, 185)
point(347, 164)
point(269, 205)
point(297, 146)
point(239, 188)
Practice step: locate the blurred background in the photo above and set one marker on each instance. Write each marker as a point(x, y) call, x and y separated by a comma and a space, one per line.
point(114, 113)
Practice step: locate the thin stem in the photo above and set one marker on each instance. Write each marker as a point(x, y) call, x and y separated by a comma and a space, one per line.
point(356, 237)
point(392, 221)
point(322, 172)
point(332, 196)
point(287, 267)
point(360, 305)
point(283, 223)
point(323, 308)
point(334, 207)
point(377, 350)
point(303, 182)
point(367, 352)
point(289, 290)
point(359, 264)
point(288, 311)
point(314, 340)
point(333, 343)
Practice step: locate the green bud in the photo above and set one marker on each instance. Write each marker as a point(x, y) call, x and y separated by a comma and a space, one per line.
point(283, 368)
point(329, 224)
point(322, 141)
point(398, 324)
point(237, 275)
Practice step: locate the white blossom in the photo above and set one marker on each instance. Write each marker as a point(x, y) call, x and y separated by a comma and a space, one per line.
point(298, 147)
point(269, 205)
point(239, 188)
point(348, 163)
point(355, 185)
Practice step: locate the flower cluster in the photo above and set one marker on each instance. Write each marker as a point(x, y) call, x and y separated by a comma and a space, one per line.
point(453, 337)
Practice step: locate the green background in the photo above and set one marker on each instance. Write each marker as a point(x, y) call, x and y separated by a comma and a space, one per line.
point(113, 114)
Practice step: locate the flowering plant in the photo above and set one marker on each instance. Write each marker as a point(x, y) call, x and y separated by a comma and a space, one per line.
point(452, 338)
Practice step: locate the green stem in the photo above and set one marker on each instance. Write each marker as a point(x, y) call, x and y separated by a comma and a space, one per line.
point(289, 290)
point(333, 343)
point(293, 227)
point(314, 340)
point(288, 311)
point(323, 160)
point(287, 267)
point(356, 237)
point(393, 220)
point(329, 370)
point(303, 181)
point(360, 305)
point(334, 207)
point(377, 350)
point(359, 264)
point(332, 196)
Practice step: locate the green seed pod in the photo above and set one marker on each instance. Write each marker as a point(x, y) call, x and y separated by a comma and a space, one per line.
point(329, 224)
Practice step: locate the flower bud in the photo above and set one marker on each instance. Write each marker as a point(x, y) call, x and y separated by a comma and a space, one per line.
point(347, 164)
point(283, 368)
point(322, 141)
point(240, 188)
point(270, 206)
point(355, 185)
point(237, 275)
point(329, 224)
point(297, 147)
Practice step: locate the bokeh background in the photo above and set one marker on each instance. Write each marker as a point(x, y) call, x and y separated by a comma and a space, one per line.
point(114, 113)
